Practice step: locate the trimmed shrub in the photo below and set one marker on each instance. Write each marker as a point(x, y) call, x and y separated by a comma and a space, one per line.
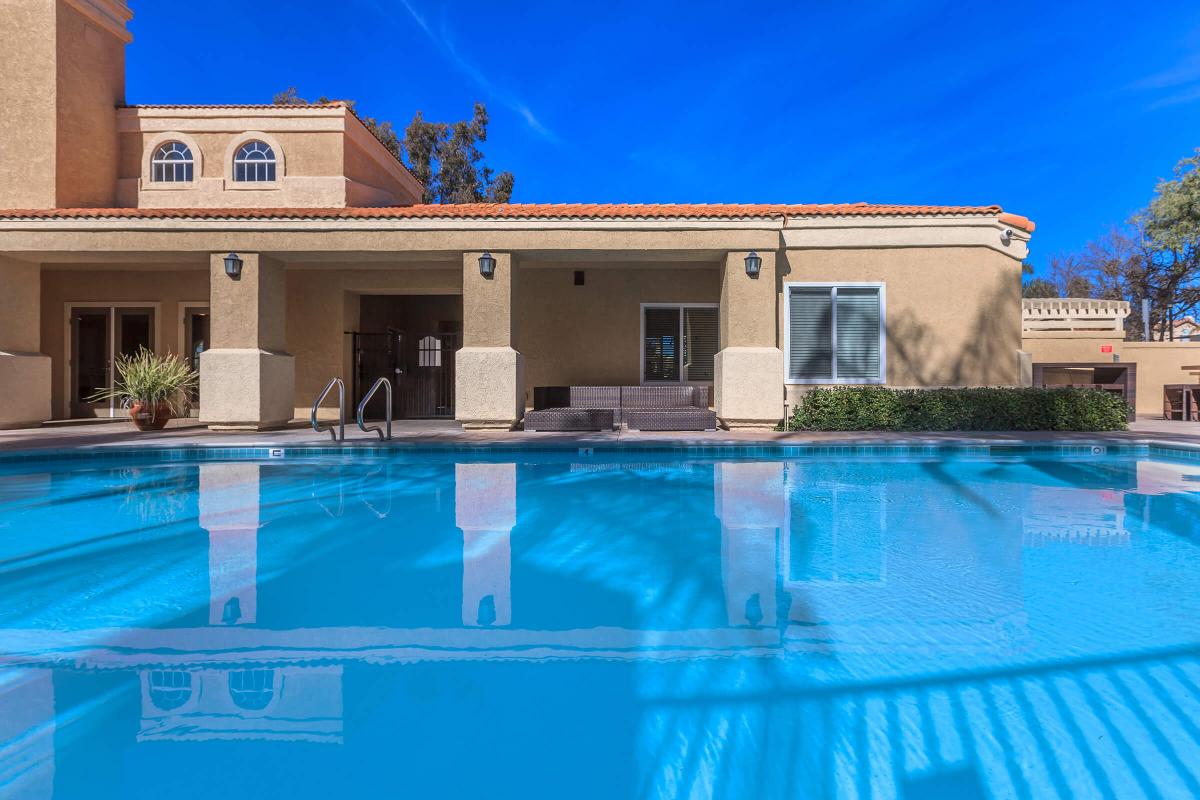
point(877, 408)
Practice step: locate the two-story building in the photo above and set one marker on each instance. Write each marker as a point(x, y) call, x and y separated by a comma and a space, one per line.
point(280, 246)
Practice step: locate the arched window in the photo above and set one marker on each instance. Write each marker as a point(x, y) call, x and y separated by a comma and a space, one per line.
point(254, 163)
point(252, 689)
point(172, 163)
point(169, 689)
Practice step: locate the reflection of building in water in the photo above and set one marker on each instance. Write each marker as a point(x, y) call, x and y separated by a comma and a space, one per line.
point(27, 730)
point(1095, 518)
point(1079, 503)
point(485, 497)
point(750, 501)
point(229, 511)
point(293, 703)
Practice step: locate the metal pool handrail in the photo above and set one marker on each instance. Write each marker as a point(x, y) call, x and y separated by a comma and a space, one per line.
point(362, 407)
point(340, 434)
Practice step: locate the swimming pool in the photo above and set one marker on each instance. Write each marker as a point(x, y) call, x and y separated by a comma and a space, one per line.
point(911, 623)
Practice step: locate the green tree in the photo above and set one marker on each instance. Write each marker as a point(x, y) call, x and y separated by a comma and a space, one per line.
point(1039, 287)
point(444, 156)
point(1155, 256)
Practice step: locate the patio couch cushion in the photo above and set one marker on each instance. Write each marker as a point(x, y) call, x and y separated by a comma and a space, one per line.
point(671, 419)
point(569, 419)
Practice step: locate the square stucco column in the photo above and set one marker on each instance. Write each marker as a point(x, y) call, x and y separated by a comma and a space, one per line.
point(489, 379)
point(749, 368)
point(24, 372)
point(247, 380)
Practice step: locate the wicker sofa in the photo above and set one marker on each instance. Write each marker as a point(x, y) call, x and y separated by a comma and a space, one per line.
point(651, 408)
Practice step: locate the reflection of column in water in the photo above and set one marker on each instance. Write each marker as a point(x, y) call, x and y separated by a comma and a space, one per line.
point(485, 497)
point(750, 501)
point(27, 727)
point(229, 511)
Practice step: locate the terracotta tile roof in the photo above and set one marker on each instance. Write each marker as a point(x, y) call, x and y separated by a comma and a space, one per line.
point(252, 106)
point(554, 211)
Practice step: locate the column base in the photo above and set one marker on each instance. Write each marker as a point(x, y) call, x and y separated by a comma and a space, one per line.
point(24, 389)
point(748, 384)
point(246, 390)
point(489, 388)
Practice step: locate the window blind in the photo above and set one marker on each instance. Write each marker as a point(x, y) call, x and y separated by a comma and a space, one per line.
point(661, 345)
point(810, 331)
point(699, 343)
point(858, 333)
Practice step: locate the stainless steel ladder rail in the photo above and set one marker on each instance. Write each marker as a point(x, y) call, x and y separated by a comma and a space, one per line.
point(362, 407)
point(339, 435)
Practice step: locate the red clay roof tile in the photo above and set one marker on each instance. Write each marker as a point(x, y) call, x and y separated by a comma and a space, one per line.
point(533, 211)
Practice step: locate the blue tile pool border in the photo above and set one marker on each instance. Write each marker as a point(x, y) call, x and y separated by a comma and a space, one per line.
point(662, 450)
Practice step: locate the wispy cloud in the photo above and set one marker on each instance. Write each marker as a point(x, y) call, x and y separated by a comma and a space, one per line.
point(443, 39)
point(1177, 85)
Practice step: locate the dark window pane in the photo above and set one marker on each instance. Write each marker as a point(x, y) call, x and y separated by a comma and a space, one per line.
point(662, 355)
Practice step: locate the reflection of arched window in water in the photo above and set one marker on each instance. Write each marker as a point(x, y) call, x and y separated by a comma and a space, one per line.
point(252, 689)
point(429, 352)
point(170, 689)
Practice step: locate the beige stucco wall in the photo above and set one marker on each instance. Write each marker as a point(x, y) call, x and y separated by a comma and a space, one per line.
point(325, 158)
point(27, 83)
point(591, 334)
point(169, 286)
point(1158, 363)
point(953, 315)
point(61, 78)
point(91, 84)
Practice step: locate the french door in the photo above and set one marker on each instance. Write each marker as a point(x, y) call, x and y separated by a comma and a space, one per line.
point(99, 335)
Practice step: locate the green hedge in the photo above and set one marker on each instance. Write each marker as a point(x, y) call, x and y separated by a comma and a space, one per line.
point(876, 408)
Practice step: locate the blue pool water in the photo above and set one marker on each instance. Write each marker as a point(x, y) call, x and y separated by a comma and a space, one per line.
point(611, 625)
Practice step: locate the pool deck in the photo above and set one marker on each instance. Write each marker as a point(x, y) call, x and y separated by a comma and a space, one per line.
point(185, 432)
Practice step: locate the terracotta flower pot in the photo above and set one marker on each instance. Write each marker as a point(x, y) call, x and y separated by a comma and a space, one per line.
point(150, 418)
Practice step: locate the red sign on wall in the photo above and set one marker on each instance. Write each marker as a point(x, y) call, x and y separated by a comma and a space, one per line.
point(1106, 348)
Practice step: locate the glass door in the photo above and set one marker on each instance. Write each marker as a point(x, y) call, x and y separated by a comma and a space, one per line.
point(195, 342)
point(98, 336)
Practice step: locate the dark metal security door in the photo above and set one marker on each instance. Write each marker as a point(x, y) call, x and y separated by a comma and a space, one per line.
point(427, 388)
point(421, 369)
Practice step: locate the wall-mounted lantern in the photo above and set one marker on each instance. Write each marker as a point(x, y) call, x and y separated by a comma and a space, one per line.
point(233, 266)
point(487, 265)
point(753, 264)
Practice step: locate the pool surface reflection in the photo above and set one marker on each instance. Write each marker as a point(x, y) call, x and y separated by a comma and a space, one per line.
point(616, 626)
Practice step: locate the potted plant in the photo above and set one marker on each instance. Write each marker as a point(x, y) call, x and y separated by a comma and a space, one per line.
point(154, 387)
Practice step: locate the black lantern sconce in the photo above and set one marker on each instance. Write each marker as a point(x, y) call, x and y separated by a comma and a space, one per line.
point(233, 266)
point(487, 265)
point(753, 264)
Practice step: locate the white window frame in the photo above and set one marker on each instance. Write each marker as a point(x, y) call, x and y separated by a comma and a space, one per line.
point(642, 343)
point(787, 332)
point(239, 160)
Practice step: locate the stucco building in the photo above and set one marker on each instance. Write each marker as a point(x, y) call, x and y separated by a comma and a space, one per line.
point(119, 219)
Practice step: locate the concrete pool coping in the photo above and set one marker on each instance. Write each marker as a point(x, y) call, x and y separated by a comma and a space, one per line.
point(188, 439)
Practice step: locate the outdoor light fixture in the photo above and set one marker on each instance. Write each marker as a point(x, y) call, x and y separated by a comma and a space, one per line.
point(487, 265)
point(753, 264)
point(233, 266)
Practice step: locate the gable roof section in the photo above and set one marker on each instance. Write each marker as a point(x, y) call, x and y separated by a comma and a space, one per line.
point(554, 211)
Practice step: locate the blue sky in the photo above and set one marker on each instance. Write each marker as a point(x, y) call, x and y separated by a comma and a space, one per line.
point(1065, 112)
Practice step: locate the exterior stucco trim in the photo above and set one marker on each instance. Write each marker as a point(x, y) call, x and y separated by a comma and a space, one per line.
point(110, 15)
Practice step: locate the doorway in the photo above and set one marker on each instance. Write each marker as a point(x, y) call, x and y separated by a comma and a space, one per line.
point(99, 335)
point(411, 340)
point(195, 342)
